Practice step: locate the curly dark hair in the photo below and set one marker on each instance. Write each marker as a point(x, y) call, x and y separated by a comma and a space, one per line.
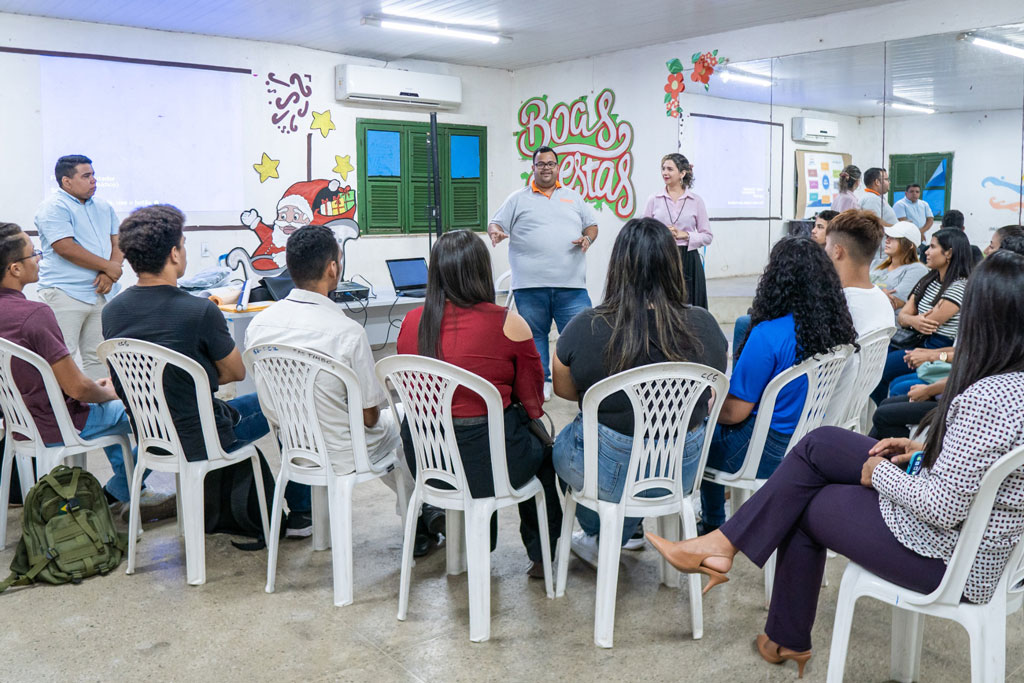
point(800, 279)
point(147, 236)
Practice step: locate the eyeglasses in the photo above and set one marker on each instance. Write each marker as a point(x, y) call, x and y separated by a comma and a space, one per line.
point(35, 253)
point(546, 164)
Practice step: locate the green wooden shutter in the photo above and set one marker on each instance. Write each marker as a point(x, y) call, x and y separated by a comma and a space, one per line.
point(906, 169)
point(465, 201)
point(382, 205)
point(421, 190)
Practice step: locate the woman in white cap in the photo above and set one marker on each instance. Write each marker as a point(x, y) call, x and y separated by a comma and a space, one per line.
point(900, 270)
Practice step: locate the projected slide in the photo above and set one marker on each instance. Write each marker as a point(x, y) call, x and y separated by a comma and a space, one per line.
point(156, 134)
point(737, 165)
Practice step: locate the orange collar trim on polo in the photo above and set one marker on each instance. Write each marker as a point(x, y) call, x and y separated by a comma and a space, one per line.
point(868, 189)
point(533, 186)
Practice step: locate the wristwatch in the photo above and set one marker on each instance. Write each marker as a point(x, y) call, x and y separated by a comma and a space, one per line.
point(943, 356)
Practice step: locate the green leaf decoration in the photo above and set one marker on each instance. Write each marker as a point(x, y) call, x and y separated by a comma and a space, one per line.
point(695, 57)
point(667, 97)
point(714, 53)
point(674, 66)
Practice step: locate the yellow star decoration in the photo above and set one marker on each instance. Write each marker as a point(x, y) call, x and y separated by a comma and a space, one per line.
point(343, 166)
point(322, 122)
point(267, 168)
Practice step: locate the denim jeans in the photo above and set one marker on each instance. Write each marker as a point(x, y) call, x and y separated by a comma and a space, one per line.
point(728, 450)
point(540, 305)
point(895, 366)
point(613, 452)
point(251, 426)
point(739, 333)
point(901, 385)
point(108, 419)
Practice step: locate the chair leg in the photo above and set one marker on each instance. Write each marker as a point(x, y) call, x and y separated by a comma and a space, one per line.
point(261, 495)
point(25, 473)
point(129, 473)
point(668, 528)
point(455, 541)
point(693, 580)
point(478, 560)
point(321, 519)
point(769, 579)
point(177, 504)
point(339, 498)
point(988, 640)
point(195, 532)
point(407, 545)
point(5, 487)
point(545, 542)
point(564, 540)
point(135, 515)
point(907, 638)
point(845, 604)
point(609, 549)
point(274, 538)
point(403, 487)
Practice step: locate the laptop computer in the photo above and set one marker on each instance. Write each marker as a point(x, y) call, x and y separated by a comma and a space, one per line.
point(409, 276)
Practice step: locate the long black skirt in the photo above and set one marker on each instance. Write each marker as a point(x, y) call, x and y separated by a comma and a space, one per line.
point(693, 274)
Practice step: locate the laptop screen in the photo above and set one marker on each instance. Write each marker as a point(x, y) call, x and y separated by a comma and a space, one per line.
point(408, 273)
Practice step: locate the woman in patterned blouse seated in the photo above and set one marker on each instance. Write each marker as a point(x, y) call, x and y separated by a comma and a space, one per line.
point(849, 493)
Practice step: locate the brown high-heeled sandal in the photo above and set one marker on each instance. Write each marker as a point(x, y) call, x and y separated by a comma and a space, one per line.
point(688, 563)
point(773, 653)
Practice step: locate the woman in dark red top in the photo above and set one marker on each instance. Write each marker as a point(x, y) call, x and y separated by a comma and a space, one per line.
point(460, 324)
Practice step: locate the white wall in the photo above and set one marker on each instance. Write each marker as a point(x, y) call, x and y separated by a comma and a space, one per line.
point(487, 95)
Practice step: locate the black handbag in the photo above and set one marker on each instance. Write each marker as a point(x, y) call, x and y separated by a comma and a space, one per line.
point(907, 338)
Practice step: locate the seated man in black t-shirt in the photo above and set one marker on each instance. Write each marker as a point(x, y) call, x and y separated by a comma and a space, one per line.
point(155, 310)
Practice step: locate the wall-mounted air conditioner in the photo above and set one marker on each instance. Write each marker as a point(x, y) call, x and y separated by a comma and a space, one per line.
point(814, 130)
point(355, 84)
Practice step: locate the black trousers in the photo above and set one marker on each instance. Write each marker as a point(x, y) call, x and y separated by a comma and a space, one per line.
point(894, 414)
point(526, 458)
point(693, 274)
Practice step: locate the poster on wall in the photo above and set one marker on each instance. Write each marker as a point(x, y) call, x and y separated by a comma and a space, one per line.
point(817, 180)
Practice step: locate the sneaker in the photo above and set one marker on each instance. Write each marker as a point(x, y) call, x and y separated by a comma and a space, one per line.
point(434, 518)
point(584, 546)
point(547, 391)
point(299, 525)
point(636, 541)
point(153, 506)
point(535, 570)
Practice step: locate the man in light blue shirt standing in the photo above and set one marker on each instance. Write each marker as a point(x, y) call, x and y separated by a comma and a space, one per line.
point(81, 260)
point(914, 210)
point(549, 228)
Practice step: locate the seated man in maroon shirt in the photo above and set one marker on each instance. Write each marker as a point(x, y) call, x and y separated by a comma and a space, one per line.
point(93, 406)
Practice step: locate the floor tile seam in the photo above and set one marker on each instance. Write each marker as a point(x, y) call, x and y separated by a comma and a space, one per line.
point(388, 656)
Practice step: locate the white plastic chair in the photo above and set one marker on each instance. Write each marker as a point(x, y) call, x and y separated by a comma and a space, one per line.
point(140, 367)
point(426, 386)
point(19, 423)
point(663, 396)
point(822, 374)
point(855, 399)
point(505, 280)
point(288, 377)
point(985, 624)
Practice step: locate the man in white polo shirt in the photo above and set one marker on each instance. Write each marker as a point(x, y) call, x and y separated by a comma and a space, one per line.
point(913, 209)
point(549, 228)
point(81, 260)
point(876, 186)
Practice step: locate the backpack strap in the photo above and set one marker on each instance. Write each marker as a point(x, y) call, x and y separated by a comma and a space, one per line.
point(16, 579)
point(68, 492)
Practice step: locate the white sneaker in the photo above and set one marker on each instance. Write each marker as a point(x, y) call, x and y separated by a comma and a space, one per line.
point(584, 547)
point(547, 391)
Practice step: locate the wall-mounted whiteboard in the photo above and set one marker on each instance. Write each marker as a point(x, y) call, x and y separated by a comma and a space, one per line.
point(737, 165)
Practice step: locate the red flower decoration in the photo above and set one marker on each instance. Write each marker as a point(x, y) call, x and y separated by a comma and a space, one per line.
point(675, 85)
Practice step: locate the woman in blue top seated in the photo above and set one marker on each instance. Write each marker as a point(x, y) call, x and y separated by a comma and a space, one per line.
point(799, 311)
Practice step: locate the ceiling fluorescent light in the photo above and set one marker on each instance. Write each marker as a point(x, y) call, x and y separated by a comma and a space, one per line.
point(435, 29)
point(998, 46)
point(921, 109)
point(739, 77)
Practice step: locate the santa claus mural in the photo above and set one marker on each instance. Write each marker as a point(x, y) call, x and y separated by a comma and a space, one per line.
point(311, 202)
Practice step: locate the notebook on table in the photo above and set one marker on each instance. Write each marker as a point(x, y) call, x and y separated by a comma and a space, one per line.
point(409, 276)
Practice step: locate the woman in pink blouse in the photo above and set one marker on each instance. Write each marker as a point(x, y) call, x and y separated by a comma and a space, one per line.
point(846, 492)
point(683, 211)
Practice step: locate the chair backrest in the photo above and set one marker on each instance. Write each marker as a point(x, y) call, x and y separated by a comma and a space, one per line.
point(822, 374)
point(285, 382)
point(17, 416)
point(874, 348)
point(951, 588)
point(663, 396)
point(139, 367)
point(503, 280)
point(426, 387)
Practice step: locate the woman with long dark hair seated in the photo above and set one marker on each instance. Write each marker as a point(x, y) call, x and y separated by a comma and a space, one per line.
point(842, 491)
point(644, 319)
point(933, 307)
point(799, 311)
point(460, 324)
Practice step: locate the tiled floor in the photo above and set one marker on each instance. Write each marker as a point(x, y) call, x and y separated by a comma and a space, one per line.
point(152, 626)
